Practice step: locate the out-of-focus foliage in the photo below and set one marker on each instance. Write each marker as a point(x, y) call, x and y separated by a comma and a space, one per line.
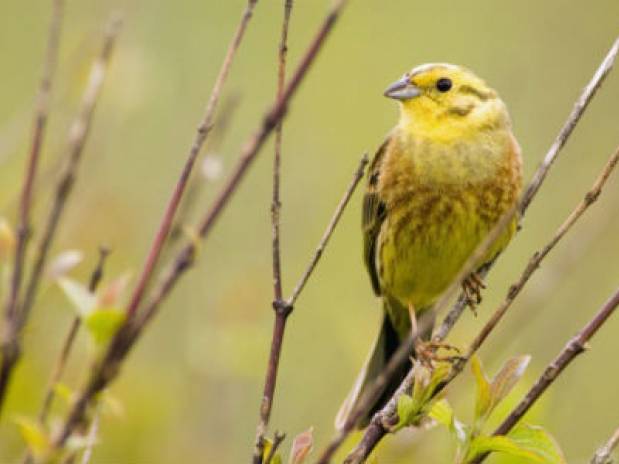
point(192, 387)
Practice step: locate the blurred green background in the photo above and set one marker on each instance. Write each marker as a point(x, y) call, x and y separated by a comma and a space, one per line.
point(191, 389)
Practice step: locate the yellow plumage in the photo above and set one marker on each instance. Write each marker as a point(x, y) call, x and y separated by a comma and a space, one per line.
point(445, 175)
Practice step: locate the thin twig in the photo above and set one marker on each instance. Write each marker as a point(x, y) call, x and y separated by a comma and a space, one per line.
point(281, 312)
point(327, 235)
point(603, 454)
point(201, 135)
point(78, 134)
point(576, 346)
point(61, 362)
point(92, 437)
point(277, 440)
point(376, 430)
point(67, 346)
point(125, 338)
point(284, 308)
point(10, 343)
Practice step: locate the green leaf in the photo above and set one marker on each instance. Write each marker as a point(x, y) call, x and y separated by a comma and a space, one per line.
point(103, 323)
point(506, 379)
point(83, 301)
point(539, 442)
point(301, 446)
point(412, 409)
point(442, 413)
point(63, 391)
point(500, 444)
point(406, 411)
point(268, 444)
point(36, 438)
point(483, 400)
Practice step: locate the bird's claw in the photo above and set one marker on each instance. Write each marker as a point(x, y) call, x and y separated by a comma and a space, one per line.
point(472, 287)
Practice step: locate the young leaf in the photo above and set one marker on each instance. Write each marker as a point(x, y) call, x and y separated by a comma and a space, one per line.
point(103, 323)
point(63, 263)
point(301, 446)
point(111, 293)
point(64, 392)
point(442, 413)
point(266, 450)
point(7, 239)
point(506, 379)
point(539, 442)
point(406, 411)
point(78, 295)
point(36, 438)
point(483, 400)
point(500, 444)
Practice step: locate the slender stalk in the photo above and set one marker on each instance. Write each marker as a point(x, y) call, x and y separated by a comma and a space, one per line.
point(281, 311)
point(577, 345)
point(67, 346)
point(202, 133)
point(376, 430)
point(61, 362)
point(78, 134)
point(284, 308)
point(603, 454)
point(107, 368)
point(10, 341)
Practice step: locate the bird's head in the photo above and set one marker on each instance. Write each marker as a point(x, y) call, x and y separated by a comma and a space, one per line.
point(444, 99)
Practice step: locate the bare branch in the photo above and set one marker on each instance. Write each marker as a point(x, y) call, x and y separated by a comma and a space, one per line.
point(284, 308)
point(107, 368)
point(201, 135)
point(603, 454)
point(573, 348)
point(281, 312)
point(327, 235)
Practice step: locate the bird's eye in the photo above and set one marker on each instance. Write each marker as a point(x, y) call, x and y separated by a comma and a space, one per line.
point(443, 84)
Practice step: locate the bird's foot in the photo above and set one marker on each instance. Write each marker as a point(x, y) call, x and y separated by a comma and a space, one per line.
point(472, 287)
point(428, 352)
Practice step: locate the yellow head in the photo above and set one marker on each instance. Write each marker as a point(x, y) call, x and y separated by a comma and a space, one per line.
point(444, 101)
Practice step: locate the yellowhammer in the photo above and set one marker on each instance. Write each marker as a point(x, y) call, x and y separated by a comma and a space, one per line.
point(436, 187)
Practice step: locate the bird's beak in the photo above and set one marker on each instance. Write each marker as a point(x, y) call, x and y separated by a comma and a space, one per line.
point(402, 89)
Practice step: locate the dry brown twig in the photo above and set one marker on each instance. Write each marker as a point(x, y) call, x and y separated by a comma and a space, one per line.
point(281, 311)
point(12, 319)
point(107, 368)
point(376, 430)
point(603, 454)
point(202, 133)
point(284, 308)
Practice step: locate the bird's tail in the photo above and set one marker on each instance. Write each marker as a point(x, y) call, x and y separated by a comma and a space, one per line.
point(386, 344)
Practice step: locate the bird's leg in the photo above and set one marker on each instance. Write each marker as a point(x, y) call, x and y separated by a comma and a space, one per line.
point(472, 287)
point(426, 350)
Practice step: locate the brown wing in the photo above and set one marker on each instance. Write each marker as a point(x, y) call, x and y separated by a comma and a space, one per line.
point(374, 213)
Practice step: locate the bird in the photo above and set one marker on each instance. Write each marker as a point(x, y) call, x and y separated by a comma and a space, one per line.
point(443, 178)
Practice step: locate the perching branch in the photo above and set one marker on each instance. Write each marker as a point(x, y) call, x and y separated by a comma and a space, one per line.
point(201, 135)
point(603, 454)
point(376, 430)
point(125, 338)
point(573, 348)
point(284, 308)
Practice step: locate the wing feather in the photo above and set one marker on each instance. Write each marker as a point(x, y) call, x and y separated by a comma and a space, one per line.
point(374, 213)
